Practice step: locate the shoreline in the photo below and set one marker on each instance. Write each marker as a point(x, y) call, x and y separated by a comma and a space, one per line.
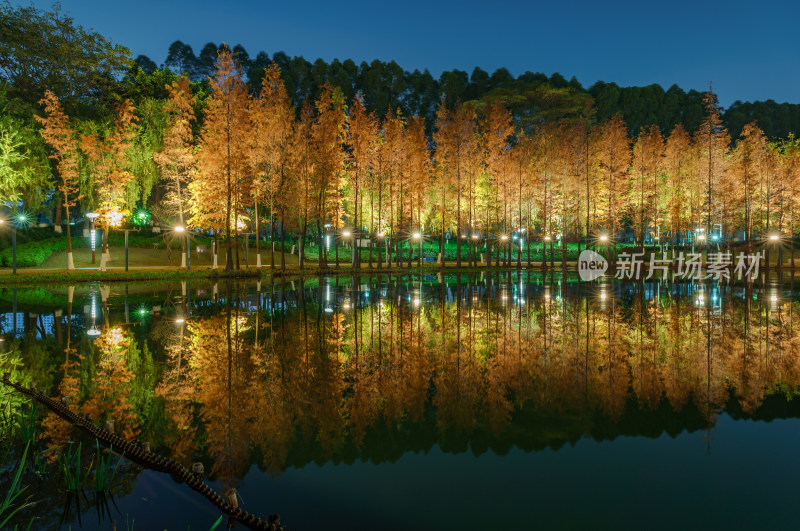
point(36, 276)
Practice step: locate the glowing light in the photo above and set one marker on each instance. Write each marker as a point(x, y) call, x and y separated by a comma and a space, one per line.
point(416, 302)
point(774, 237)
point(603, 295)
point(93, 331)
point(604, 238)
point(417, 235)
point(180, 320)
point(504, 237)
point(114, 218)
point(381, 234)
point(115, 336)
point(2, 221)
point(774, 298)
point(346, 306)
point(474, 236)
point(179, 229)
point(346, 234)
point(701, 237)
point(92, 215)
point(547, 238)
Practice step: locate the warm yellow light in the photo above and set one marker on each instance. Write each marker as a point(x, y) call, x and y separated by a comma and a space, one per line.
point(346, 234)
point(115, 336)
point(547, 238)
point(603, 238)
point(179, 228)
point(381, 234)
point(701, 237)
point(474, 236)
point(416, 235)
point(504, 237)
point(774, 298)
point(180, 320)
point(774, 237)
point(114, 218)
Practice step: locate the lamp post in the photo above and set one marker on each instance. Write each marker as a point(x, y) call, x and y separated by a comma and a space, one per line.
point(92, 234)
point(126, 252)
point(773, 239)
point(345, 236)
point(417, 237)
point(180, 230)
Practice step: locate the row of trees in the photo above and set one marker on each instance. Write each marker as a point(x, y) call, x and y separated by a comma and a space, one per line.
point(386, 85)
point(333, 169)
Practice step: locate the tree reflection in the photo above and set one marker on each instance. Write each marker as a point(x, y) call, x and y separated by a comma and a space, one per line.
point(339, 369)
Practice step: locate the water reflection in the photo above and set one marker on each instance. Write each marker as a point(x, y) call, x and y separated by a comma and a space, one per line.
point(286, 373)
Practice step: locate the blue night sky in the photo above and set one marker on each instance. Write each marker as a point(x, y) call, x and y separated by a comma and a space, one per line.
point(747, 49)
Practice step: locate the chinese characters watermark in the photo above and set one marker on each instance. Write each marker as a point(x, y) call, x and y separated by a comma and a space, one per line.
point(686, 266)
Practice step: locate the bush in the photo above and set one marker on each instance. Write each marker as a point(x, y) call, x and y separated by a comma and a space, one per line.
point(34, 253)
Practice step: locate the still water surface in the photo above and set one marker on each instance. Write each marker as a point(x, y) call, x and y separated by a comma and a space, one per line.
point(506, 401)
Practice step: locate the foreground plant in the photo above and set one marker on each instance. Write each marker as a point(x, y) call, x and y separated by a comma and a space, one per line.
point(70, 464)
point(11, 503)
point(104, 474)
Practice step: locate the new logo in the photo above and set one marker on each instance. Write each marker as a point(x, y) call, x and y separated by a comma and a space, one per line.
point(591, 265)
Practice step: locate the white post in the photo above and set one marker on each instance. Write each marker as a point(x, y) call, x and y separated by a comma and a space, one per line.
point(70, 261)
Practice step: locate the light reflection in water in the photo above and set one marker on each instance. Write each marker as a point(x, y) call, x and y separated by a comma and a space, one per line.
point(325, 371)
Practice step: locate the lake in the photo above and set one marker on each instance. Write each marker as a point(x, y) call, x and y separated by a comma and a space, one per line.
point(457, 401)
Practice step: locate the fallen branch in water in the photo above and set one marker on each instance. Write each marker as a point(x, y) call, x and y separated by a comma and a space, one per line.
point(147, 459)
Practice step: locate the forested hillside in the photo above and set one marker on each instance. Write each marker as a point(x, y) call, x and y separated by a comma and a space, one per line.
point(386, 85)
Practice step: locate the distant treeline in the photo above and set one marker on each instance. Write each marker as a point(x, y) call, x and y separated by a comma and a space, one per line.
point(533, 96)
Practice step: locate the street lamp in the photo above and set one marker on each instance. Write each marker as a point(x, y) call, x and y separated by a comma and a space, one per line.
point(603, 238)
point(180, 229)
point(92, 217)
point(93, 331)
